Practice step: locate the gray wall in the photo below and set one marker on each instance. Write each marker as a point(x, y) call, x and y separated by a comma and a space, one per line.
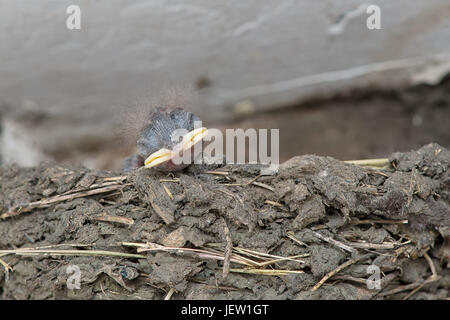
point(272, 52)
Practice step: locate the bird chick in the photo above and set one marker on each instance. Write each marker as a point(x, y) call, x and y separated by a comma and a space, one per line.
point(157, 147)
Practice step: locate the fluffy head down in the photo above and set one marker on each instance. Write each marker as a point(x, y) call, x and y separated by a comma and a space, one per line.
point(158, 132)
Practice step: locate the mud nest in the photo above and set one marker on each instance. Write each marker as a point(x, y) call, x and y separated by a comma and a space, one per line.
point(318, 229)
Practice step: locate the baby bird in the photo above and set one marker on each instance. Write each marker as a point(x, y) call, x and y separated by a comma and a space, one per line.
point(167, 140)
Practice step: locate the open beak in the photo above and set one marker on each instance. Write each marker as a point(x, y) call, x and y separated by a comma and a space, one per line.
point(158, 157)
point(189, 141)
point(193, 137)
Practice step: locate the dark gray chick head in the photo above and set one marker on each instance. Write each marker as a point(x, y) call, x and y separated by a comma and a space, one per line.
point(168, 136)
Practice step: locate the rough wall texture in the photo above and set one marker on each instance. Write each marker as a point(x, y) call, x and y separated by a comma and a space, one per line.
point(270, 51)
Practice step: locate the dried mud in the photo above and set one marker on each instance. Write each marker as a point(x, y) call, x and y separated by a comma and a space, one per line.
point(225, 233)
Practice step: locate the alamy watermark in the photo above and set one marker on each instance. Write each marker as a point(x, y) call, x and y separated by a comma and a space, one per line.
point(74, 280)
point(73, 21)
point(374, 20)
point(241, 147)
point(374, 281)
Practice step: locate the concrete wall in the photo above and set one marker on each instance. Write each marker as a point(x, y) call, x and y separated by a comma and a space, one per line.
point(272, 51)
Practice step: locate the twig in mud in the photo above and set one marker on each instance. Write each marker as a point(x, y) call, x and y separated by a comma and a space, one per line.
point(169, 180)
point(400, 289)
point(377, 163)
point(133, 244)
point(223, 173)
point(32, 252)
point(168, 192)
point(263, 185)
point(217, 255)
point(198, 252)
point(412, 286)
point(92, 187)
point(377, 246)
point(19, 209)
point(169, 294)
point(413, 292)
point(112, 203)
point(117, 178)
point(338, 269)
point(431, 264)
point(290, 235)
point(380, 173)
point(7, 269)
point(269, 257)
point(250, 262)
point(412, 186)
point(274, 272)
point(434, 277)
point(103, 291)
point(345, 277)
point(273, 203)
point(63, 244)
point(254, 179)
point(228, 250)
point(380, 221)
point(107, 218)
point(319, 227)
point(334, 242)
point(221, 258)
point(290, 258)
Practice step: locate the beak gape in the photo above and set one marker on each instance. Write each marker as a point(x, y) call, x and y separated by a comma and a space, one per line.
point(188, 142)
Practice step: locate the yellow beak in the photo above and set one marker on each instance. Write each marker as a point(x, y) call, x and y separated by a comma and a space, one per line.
point(193, 137)
point(158, 157)
point(163, 155)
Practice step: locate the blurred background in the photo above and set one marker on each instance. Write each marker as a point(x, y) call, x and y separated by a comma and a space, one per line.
point(313, 69)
